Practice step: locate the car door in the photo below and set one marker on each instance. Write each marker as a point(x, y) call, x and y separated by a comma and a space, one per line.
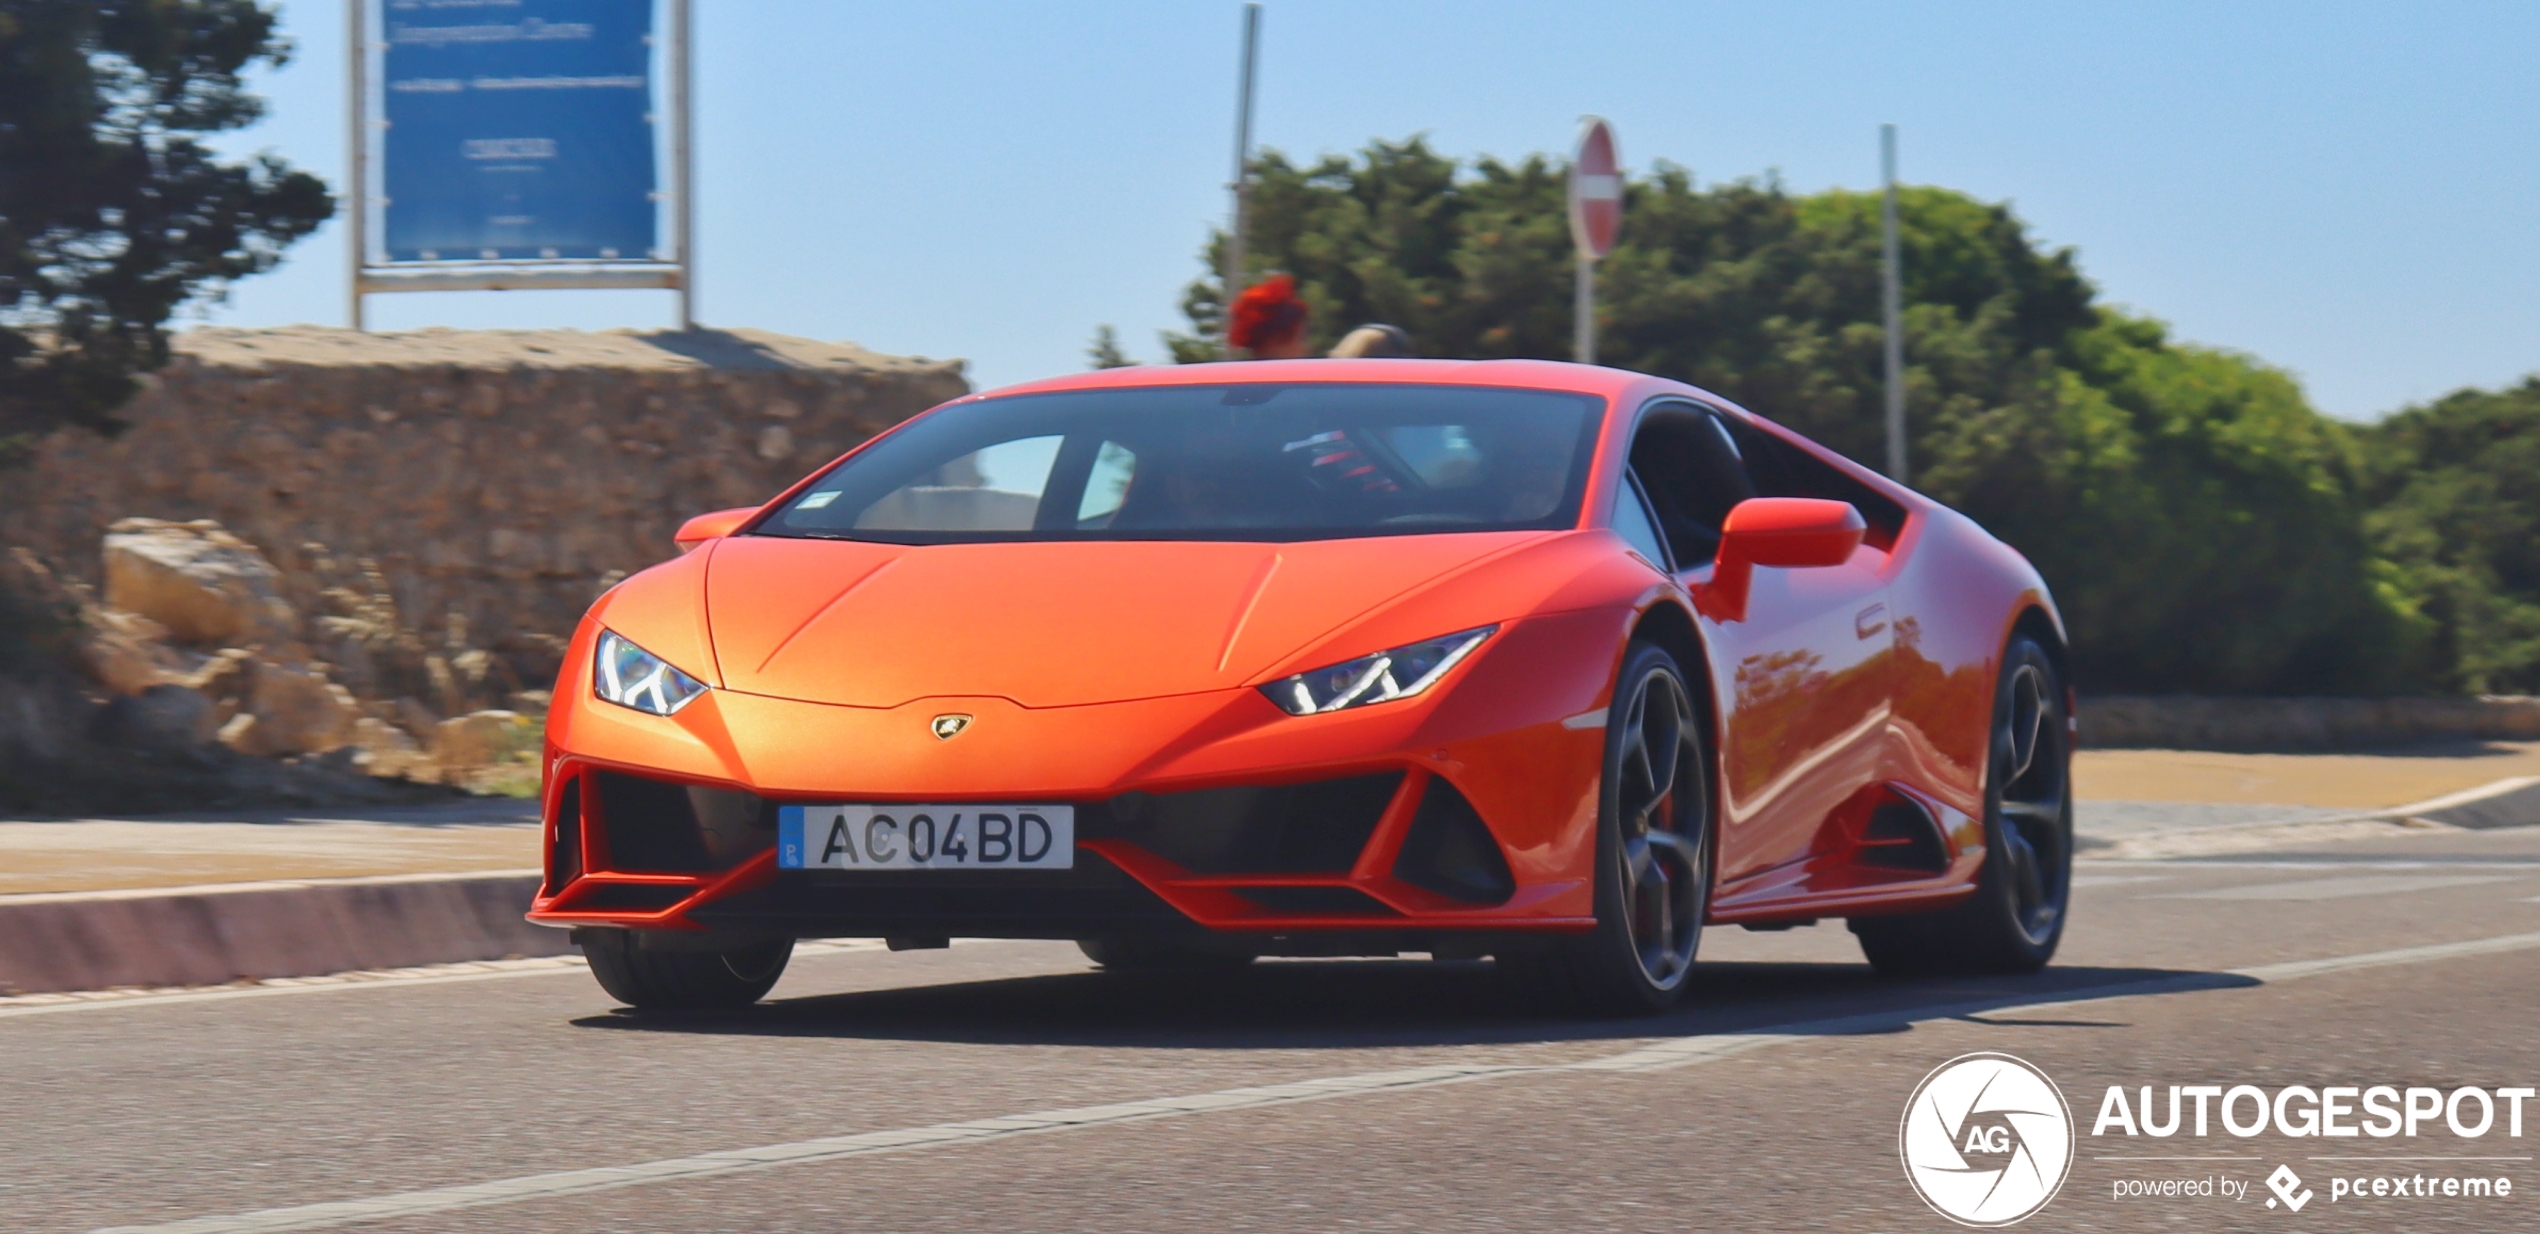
point(1803, 678)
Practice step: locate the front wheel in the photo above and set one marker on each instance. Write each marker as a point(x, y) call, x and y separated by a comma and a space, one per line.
point(660, 979)
point(2015, 919)
point(1653, 854)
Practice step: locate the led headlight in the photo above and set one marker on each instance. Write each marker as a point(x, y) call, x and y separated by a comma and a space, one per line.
point(1399, 673)
point(629, 676)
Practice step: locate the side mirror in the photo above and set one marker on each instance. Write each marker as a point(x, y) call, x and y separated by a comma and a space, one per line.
point(1783, 532)
point(713, 526)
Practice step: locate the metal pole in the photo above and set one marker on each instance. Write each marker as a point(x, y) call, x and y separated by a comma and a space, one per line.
point(356, 196)
point(1242, 185)
point(683, 164)
point(1892, 306)
point(1583, 313)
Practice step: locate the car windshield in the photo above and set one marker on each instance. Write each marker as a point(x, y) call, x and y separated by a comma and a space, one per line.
point(1223, 462)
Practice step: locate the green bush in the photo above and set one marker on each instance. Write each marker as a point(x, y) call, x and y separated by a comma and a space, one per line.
point(2455, 493)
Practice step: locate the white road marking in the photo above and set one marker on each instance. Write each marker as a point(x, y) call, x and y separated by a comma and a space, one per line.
point(2338, 888)
point(17, 1005)
point(1658, 1055)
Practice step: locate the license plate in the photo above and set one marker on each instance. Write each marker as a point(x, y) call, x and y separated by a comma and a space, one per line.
point(923, 837)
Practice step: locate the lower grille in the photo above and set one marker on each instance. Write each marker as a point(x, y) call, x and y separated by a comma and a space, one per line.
point(656, 827)
point(1316, 828)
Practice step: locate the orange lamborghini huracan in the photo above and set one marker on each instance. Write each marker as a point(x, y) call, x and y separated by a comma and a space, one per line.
point(1543, 662)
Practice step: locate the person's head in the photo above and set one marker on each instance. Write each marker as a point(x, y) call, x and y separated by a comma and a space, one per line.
point(1372, 341)
point(1268, 320)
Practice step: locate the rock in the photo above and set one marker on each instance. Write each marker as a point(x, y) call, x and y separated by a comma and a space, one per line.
point(411, 715)
point(480, 739)
point(386, 750)
point(208, 587)
point(225, 676)
point(291, 710)
point(158, 717)
point(126, 652)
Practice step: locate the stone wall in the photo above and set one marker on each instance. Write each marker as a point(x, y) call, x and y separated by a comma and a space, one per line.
point(457, 492)
point(2197, 723)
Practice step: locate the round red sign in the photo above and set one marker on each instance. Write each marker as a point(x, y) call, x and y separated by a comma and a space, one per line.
point(1596, 189)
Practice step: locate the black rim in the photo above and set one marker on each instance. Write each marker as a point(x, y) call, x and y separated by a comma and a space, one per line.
point(1660, 803)
point(2029, 754)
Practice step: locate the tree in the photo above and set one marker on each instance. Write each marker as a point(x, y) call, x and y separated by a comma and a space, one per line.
point(2455, 493)
point(2198, 521)
point(112, 211)
point(1105, 351)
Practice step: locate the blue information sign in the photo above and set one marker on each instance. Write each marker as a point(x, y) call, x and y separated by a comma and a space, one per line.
point(519, 130)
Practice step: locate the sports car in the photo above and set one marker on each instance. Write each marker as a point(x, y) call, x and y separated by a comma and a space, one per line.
point(1547, 663)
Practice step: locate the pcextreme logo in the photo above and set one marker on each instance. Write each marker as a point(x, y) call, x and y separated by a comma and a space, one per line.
point(1987, 1140)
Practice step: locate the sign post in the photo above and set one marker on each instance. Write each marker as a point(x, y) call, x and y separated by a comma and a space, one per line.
point(1242, 185)
point(519, 146)
point(1596, 218)
point(1891, 306)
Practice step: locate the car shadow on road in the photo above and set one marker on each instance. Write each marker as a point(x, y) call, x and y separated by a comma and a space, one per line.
point(1360, 1004)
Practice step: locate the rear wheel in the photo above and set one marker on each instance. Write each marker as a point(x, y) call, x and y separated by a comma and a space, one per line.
point(1653, 854)
point(1153, 955)
point(660, 979)
point(2015, 919)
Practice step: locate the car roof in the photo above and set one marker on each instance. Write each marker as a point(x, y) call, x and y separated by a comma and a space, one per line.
point(1524, 374)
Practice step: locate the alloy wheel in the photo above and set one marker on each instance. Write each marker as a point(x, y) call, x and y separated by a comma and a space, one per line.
point(1661, 805)
point(2030, 757)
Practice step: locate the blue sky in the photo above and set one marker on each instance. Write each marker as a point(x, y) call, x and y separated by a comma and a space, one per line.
point(2346, 190)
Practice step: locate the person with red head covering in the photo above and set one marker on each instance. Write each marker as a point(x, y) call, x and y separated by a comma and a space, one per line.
point(1268, 320)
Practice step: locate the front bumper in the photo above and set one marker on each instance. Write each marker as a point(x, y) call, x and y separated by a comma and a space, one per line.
point(1470, 810)
point(1389, 849)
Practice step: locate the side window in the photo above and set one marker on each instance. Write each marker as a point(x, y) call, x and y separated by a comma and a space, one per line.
point(1107, 487)
point(995, 489)
point(1690, 469)
point(1781, 469)
point(1631, 521)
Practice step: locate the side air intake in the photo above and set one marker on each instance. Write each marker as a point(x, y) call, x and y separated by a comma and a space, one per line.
point(1450, 850)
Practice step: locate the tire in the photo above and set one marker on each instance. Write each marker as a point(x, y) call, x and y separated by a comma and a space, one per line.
point(1653, 855)
point(1152, 955)
point(2015, 919)
point(649, 979)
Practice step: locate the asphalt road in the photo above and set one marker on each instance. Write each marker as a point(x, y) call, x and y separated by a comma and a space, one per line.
point(1006, 1086)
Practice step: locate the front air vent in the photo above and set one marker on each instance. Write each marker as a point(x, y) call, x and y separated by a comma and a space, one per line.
point(656, 827)
point(1316, 828)
point(1451, 851)
point(564, 854)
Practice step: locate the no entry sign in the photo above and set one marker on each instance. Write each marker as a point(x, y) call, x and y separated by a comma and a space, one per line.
point(1596, 190)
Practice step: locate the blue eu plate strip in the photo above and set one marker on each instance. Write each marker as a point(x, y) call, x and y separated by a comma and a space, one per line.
point(789, 837)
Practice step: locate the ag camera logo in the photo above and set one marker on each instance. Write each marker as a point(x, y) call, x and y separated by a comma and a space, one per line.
point(1987, 1139)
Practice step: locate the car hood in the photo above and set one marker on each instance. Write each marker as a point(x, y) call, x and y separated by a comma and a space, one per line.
point(1046, 624)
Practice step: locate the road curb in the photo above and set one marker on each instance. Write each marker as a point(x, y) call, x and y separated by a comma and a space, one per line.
point(191, 936)
point(2510, 802)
